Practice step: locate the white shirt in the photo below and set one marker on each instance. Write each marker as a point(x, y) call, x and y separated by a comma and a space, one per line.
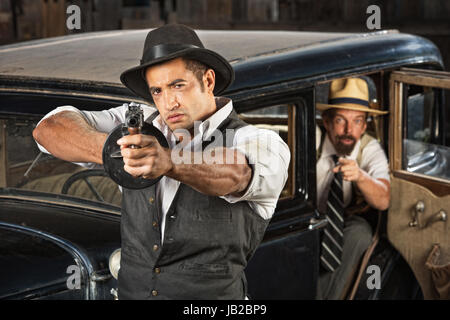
point(373, 161)
point(266, 152)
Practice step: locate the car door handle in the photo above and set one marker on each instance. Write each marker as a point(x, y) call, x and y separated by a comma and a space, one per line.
point(418, 211)
point(316, 224)
point(440, 216)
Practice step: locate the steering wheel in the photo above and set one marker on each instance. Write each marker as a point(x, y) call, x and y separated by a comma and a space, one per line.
point(84, 176)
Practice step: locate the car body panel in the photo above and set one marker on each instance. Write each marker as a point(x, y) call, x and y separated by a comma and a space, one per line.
point(74, 233)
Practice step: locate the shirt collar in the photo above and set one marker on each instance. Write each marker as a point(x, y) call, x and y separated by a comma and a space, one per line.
point(329, 150)
point(206, 127)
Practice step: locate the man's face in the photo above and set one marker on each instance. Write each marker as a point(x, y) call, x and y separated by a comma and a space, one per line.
point(178, 94)
point(345, 129)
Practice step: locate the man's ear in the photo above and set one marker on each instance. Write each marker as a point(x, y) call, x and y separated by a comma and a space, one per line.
point(365, 127)
point(209, 80)
point(326, 122)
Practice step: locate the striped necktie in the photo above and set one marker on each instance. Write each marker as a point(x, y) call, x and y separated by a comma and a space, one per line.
point(333, 236)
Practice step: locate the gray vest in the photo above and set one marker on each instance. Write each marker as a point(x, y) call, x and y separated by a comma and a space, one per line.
point(207, 243)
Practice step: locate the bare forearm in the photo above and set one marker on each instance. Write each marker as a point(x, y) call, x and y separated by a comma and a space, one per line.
point(68, 136)
point(376, 191)
point(215, 179)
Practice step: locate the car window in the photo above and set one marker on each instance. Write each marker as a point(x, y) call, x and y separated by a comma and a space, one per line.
point(425, 149)
point(26, 257)
point(280, 119)
point(28, 168)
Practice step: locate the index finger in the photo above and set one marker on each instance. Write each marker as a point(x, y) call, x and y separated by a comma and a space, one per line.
point(140, 140)
point(344, 160)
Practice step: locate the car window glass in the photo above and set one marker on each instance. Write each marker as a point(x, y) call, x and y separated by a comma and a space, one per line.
point(280, 119)
point(24, 258)
point(425, 149)
point(27, 168)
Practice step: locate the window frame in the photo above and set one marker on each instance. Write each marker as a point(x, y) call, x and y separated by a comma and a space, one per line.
point(397, 82)
point(302, 202)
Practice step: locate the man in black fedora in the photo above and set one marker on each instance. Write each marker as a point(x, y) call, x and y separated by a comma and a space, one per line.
point(191, 235)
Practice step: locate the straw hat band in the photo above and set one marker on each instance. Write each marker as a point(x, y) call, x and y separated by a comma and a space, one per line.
point(349, 100)
point(163, 50)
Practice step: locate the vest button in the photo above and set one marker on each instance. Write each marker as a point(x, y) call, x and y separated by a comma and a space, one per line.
point(155, 247)
point(157, 270)
point(151, 200)
point(154, 293)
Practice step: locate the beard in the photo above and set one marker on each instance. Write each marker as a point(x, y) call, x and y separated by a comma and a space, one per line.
point(342, 148)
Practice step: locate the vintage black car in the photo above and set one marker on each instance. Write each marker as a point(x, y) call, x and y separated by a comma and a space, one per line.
point(60, 223)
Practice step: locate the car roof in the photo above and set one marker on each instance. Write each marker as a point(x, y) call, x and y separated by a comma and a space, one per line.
point(258, 57)
point(102, 56)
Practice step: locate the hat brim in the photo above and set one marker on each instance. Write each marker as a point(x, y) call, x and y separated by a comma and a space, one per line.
point(323, 107)
point(133, 80)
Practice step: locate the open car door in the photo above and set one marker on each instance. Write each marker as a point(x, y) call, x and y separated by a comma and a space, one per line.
point(419, 153)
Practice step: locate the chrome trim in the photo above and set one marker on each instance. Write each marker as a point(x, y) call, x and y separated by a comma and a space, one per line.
point(317, 224)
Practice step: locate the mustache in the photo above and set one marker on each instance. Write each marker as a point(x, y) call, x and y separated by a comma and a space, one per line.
point(346, 136)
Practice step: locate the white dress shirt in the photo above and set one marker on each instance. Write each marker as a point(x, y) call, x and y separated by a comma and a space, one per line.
point(373, 161)
point(266, 152)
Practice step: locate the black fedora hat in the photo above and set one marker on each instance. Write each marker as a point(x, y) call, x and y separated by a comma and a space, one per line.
point(170, 42)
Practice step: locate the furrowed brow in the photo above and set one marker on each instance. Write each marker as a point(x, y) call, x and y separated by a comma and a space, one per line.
point(174, 82)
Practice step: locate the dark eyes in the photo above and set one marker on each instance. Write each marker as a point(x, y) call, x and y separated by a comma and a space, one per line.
point(340, 120)
point(155, 91)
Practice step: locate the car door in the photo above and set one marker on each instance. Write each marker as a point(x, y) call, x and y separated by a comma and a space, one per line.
point(286, 264)
point(419, 152)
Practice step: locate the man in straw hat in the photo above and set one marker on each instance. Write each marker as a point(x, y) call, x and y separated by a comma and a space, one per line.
point(191, 235)
point(350, 164)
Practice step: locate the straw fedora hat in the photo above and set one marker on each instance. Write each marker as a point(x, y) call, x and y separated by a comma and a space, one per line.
point(350, 94)
point(170, 42)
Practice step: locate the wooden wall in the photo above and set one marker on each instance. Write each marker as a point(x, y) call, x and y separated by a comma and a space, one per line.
point(46, 18)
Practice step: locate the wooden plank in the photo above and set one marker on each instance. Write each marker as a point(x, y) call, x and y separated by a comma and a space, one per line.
point(395, 125)
point(53, 15)
point(6, 28)
point(29, 22)
point(291, 143)
point(107, 15)
point(438, 80)
point(220, 9)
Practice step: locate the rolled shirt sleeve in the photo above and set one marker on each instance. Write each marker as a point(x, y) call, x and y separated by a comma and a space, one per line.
point(103, 121)
point(374, 161)
point(269, 157)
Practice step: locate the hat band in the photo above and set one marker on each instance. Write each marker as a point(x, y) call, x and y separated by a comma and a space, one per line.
point(349, 100)
point(163, 50)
